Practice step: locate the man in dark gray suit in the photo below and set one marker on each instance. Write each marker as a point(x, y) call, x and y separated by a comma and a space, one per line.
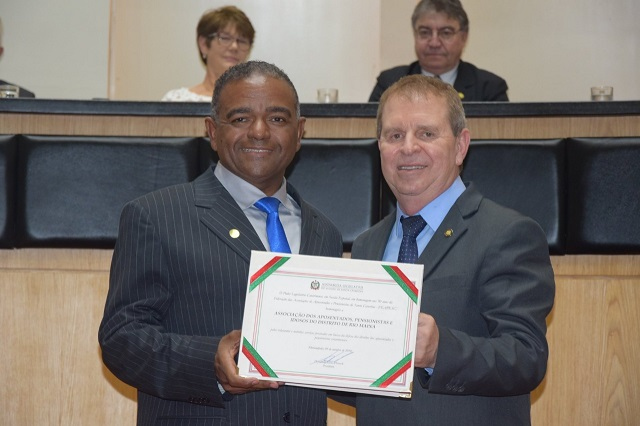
point(440, 32)
point(179, 271)
point(488, 283)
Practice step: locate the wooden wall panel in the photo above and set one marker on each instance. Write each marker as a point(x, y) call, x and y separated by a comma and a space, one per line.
point(51, 300)
point(51, 303)
point(50, 360)
point(593, 376)
point(317, 127)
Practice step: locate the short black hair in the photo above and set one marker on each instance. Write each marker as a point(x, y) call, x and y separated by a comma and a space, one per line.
point(243, 71)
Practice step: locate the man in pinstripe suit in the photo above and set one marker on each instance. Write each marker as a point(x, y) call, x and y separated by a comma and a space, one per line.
point(179, 270)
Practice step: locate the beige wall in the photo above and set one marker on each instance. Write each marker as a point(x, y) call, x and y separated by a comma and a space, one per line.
point(558, 49)
point(56, 48)
point(314, 41)
point(547, 50)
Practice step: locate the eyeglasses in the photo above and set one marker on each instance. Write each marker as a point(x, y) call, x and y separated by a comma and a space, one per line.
point(226, 40)
point(444, 34)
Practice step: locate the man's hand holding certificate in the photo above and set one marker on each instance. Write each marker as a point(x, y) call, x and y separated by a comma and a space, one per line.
point(331, 323)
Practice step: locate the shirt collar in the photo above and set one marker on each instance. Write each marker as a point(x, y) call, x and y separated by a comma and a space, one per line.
point(435, 212)
point(246, 194)
point(448, 77)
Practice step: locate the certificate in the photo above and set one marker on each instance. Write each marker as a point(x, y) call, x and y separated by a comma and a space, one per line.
point(331, 323)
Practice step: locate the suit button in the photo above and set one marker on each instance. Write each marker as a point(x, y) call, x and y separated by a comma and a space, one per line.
point(287, 417)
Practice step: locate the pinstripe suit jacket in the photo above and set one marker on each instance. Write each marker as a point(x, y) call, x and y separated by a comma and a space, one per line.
point(177, 285)
point(489, 285)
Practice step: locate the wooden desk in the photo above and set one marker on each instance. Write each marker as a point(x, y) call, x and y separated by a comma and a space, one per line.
point(346, 121)
point(51, 300)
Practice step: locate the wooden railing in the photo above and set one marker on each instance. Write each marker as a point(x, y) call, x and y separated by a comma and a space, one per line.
point(51, 300)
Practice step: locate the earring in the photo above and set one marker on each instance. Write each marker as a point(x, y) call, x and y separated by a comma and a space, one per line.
point(204, 56)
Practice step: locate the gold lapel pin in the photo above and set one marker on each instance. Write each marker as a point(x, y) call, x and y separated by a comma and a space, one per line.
point(448, 233)
point(234, 233)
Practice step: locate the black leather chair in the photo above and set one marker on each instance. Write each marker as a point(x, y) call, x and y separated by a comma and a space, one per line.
point(342, 179)
point(525, 175)
point(604, 196)
point(339, 177)
point(72, 189)
point(7, 189)
point(206, 155)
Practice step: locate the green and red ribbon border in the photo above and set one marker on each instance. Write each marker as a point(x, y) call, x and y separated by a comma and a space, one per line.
point(394, 372)
point(403, 281)
point(405, 363)
point(256, 279)
point(383, 381)
point(263, 273)
point(256, 360)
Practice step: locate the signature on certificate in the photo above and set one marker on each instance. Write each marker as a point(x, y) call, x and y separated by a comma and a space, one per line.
point(334, 357)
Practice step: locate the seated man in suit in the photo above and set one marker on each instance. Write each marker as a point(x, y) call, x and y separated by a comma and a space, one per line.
point(488, 283)
point(440, 31)
point(22, 92)
point(173, 313)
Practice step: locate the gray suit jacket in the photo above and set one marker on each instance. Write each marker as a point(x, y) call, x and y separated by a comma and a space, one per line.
point(177, 285)
point(489, 287)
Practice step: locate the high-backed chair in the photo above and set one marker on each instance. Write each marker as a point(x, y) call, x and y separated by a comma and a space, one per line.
point(72, 189)
point(7, 189)
point(604, 195)
point(342, 179)
point(525, 175)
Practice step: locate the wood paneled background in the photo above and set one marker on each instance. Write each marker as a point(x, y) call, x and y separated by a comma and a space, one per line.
point(52, 300)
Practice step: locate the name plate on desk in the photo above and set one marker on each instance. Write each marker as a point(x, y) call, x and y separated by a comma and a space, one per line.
point(331, 323)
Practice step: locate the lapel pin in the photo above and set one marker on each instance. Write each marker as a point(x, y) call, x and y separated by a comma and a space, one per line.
point(448, 233)
point(234, 233)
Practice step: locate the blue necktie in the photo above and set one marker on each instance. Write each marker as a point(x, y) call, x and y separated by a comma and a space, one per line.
point(411, 227)
point(275, 231)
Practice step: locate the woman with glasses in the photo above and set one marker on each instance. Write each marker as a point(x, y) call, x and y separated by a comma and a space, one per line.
point(224, 38)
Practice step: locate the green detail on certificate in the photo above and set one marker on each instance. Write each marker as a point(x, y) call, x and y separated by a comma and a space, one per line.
point(264, 272)
point(254, 358)
point(404, 282)
point(387, 378)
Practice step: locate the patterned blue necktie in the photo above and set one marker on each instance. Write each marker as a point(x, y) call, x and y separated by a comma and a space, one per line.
point(411, 227)
point(275, 231)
